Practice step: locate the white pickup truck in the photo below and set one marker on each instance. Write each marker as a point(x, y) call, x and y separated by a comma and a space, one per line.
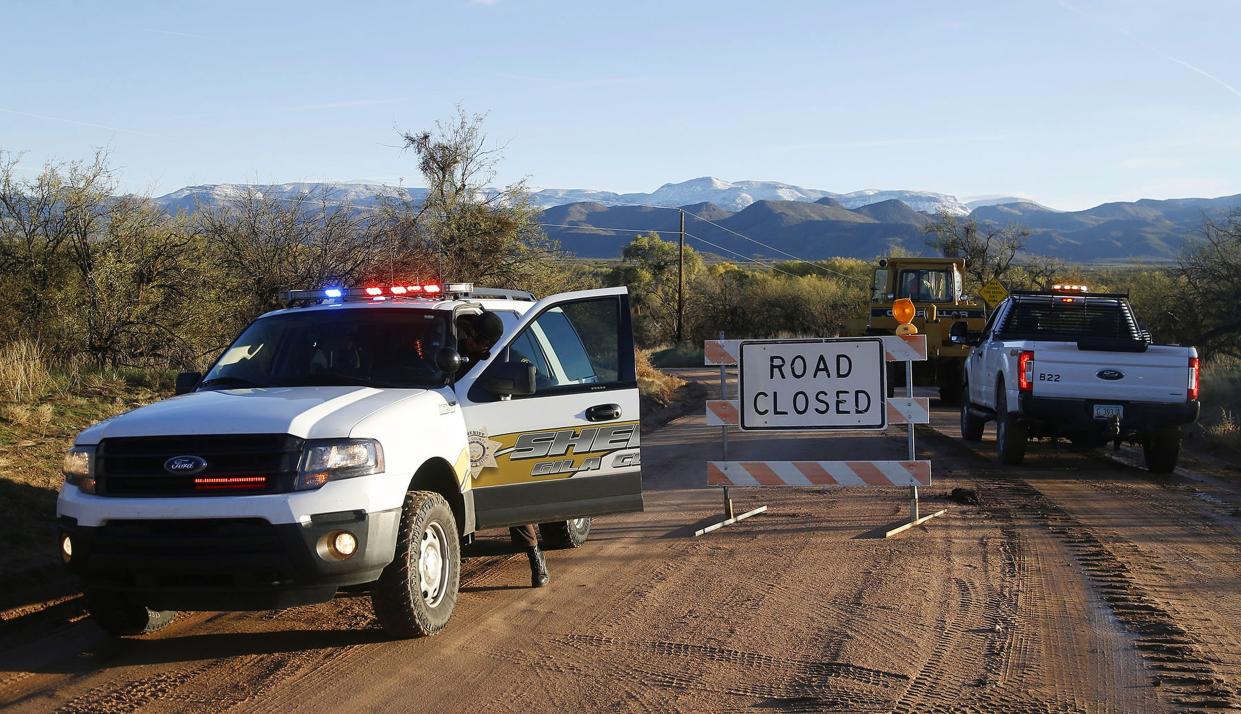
point(1073, 364)
point(343, 442)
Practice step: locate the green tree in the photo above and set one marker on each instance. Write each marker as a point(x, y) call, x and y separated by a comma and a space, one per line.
point(650, 268)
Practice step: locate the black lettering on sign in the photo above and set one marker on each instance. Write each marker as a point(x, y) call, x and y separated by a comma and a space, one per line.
point(801, 402)
point(757, 409)
point(777, 365)
point(820, 368)
point(775, 405)
point(859, 397)
point(798, 366)
point(821, 397)
point(840, 401)
point(844, 366)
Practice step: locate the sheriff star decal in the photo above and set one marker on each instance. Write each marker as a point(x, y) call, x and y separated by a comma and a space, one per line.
point(482, 452)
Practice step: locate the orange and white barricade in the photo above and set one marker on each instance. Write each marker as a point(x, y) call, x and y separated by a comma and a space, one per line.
point(907, 410)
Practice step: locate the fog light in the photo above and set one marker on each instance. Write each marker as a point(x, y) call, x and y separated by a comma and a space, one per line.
point(344, 544)
point(66, 548)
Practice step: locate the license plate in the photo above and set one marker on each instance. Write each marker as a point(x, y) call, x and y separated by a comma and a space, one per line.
point(1109, 411)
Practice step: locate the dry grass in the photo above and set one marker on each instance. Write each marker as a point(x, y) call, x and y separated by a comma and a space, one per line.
point(1224, 431)
point(655, 385)
point(24, 373)
point(34, 417)
point(1221, 401)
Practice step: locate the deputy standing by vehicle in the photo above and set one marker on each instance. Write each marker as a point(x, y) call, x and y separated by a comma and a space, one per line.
point(476, 335)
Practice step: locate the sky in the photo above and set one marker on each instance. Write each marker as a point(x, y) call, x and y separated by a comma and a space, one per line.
point(1071, 102)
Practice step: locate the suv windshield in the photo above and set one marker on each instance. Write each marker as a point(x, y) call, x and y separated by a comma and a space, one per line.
point(1069, 319)
point(359, 347)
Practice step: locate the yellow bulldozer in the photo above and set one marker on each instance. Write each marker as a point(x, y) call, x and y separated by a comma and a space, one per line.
point(935, 285)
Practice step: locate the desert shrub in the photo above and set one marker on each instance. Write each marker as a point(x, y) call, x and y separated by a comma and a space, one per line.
point(655, 385)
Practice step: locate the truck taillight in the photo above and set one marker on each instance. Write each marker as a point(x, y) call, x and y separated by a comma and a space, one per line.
point(1193, 379)
point(1025, 371)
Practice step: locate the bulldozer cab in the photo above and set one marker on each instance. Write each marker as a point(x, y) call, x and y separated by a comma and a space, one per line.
point(936, 287)
point(923, 280)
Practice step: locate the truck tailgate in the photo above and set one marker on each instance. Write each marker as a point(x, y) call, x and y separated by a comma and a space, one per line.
point(1160, 374)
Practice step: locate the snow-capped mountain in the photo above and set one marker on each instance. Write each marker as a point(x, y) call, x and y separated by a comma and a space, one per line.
point(736, 195)
point(730, 195)
point(190, 198)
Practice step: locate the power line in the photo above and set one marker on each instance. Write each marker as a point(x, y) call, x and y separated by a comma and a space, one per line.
point(601, 228)
point(739, 255)
point(846, 276)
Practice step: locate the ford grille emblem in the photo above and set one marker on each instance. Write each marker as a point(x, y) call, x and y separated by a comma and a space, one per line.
point(1111, 374)
point(185, 465)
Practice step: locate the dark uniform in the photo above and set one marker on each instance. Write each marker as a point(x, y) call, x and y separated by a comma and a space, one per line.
point(476, 335)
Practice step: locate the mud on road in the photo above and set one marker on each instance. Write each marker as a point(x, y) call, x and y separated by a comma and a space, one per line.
point(1077, 583)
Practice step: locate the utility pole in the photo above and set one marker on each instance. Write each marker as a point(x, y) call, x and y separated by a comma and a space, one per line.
point(681, 282)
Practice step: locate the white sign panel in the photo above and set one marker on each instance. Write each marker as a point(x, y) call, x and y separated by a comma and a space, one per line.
point(813, 384)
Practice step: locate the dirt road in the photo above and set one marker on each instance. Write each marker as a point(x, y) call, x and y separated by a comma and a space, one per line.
point(1078, 583)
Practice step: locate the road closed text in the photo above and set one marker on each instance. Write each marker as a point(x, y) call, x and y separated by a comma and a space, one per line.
point(822, 384)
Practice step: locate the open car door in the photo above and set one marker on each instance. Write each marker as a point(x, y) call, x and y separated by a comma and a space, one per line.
point(569, 449)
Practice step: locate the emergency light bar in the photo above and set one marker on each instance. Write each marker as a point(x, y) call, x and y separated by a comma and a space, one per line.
point(434, 291)
point(373, 292)
point(1070, 288)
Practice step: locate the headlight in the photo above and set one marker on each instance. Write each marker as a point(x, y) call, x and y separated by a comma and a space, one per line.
point(79, 468)
point(326, 460)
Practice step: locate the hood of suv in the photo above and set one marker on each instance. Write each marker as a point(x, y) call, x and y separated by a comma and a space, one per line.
point(307, 412)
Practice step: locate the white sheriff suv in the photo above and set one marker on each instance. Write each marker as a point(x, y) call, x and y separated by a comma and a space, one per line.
point(1074, 364)
point(344, 443)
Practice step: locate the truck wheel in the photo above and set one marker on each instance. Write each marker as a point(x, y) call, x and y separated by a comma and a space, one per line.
point(121, 616)
point(1161, 450)
point(565, 534)
point(416, 593)
point(1010, 433)
point(971, 424)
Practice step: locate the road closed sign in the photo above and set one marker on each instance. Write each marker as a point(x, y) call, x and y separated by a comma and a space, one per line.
point(812, 384)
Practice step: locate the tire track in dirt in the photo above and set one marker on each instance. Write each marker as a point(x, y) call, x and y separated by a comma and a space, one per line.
point(1186, 676)
point(227, 682)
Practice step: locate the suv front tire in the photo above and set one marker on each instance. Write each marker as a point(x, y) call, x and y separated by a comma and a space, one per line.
point(415, 595)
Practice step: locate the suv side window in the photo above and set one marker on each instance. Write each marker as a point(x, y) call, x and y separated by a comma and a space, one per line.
point(526, 349)
point(582, 341)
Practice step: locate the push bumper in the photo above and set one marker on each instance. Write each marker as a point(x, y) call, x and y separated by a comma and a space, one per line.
point(1076, 416)
point(230, 563)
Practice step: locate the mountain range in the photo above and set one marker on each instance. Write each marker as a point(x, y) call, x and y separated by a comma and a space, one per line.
point(768, 219)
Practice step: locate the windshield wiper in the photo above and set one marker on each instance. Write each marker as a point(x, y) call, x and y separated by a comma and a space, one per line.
point(230, 382)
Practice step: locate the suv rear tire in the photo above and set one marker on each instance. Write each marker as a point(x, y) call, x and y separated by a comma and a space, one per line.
point(121, 616)
point(1161, 450)
point(565, 534)
point(415, 595)
point(1010, 433)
